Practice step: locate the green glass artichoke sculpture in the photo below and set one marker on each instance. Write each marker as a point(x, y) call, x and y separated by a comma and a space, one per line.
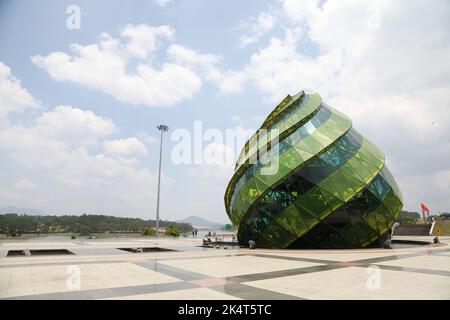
point(330, 187)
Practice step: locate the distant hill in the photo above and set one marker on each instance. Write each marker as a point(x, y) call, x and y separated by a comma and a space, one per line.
point(200, 222)
point(28, 211)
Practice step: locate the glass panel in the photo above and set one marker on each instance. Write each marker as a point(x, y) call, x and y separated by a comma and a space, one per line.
point(387, 176)
point(351, 174)
point(280, 236)
point(332, 201)
point(360, 170)
point(292, 219)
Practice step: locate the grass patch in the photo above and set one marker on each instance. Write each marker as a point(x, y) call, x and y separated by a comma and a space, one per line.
point(444, 226)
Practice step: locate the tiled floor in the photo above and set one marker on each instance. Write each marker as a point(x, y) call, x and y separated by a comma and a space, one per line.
point(236, 265)
point(431, 262)
point(29, 280)
point(357, 283)
point(198, 273)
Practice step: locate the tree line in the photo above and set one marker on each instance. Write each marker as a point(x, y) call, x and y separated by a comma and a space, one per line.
point(408, 217)
point(415, 217)
point(12, 223)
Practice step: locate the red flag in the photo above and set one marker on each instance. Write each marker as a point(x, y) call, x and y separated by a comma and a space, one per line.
point(425, 209)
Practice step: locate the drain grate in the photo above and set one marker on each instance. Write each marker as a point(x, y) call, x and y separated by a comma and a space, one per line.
point(38, 252)
point(146, 249)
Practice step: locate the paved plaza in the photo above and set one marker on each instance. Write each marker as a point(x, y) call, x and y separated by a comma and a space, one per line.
point(98, 269)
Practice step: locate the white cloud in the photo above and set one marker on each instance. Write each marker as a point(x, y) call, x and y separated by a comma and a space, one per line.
point(147, 139)
point(143, 38)
point(236, 118)
point(25, 185)
point(8, 196)
point(231, 82)
point(181, 54)
point(301, 10)
point(55, 135)
point(13, 97)
point(228, 81)
point(256, 27)
point(161, 3)
point(105, 66)
point(204, 64)
point(74, 125)
point(442, 179)
point(129, 147)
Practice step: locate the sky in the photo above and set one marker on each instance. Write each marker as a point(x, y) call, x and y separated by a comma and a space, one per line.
point(83, 85)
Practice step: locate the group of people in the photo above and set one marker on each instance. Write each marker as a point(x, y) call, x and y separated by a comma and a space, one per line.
point(194, 233)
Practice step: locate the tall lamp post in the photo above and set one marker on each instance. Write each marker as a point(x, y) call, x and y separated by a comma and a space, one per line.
point(163, 128)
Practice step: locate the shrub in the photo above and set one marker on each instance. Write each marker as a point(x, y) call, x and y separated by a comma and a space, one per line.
point(85, 231)
point(149, 232)
point(172, 231)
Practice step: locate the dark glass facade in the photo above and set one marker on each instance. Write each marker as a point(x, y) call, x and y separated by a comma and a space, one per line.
point(331, 189)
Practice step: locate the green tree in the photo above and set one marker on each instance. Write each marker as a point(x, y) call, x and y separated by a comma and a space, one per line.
point(85, 231)
point(172, 231)
point(149, 232)
point(407, 217)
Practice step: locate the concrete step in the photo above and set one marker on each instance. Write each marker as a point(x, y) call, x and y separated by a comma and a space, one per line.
point(413, 230)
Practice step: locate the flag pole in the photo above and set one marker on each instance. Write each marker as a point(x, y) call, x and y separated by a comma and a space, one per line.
point(423, 215)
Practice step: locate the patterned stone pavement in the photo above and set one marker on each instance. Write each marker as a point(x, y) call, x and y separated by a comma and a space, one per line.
point(98, 270)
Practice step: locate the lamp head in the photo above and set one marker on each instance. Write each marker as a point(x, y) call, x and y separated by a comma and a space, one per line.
point(163, 127)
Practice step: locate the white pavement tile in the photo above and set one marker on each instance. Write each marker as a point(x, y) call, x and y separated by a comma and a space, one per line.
point(236, 265)
point(423, 262)
point(359, 283)
point(47, 279)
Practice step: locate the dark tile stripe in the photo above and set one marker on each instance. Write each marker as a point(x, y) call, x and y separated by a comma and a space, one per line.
point(416, 270)
point(172, 271)
point(265, 255)
point(282, 273)
point(401, 256)
point(249, 293)
point(109, 292)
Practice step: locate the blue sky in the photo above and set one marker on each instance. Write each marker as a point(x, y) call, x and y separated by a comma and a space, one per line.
point(79, 108)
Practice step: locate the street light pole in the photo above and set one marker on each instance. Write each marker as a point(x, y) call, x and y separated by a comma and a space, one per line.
point(163, 128)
